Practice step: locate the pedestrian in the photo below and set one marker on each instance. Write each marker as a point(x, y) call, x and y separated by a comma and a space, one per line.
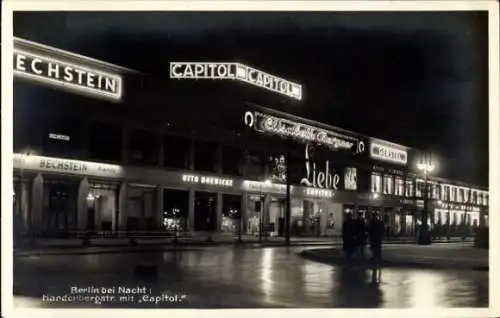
point(360, 235)
point(376, 232)
point(348, 235)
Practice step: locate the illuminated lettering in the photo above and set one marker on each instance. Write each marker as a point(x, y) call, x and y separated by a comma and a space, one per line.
point(207, 180)
point(59, 73)
point(386, 153)
point(332, 181)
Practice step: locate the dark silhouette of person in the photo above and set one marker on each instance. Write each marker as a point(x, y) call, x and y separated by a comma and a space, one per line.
point(360, 234)
point(348, 235)
point(376, 232)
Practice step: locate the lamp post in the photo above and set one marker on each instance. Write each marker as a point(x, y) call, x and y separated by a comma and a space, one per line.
point(426, 166)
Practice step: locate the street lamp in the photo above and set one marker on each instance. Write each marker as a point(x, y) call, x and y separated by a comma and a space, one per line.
point(261, 217)
point(426, 166)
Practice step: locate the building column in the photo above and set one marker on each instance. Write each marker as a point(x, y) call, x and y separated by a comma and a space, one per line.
point(190, 217)
point(159, 208)
point(122, 207)
point(218, 212)
point(24, 205)
point(82, 205)
point(36, 215)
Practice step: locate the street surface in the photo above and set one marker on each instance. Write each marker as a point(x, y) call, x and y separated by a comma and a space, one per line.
point(236, 277)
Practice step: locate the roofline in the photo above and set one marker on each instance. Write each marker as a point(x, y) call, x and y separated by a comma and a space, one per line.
point(21, 41)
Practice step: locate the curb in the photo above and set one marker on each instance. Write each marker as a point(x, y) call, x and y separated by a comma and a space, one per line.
point(342, 261)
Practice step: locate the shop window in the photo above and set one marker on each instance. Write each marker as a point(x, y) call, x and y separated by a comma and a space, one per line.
point(143, 147)
point(175, 210)
point(399, 186)
point(105, 142)
point(231, 160)
point(176, 152)
point(453, 194)
point(102, 204)
point(409, 189)
point(231, 213)
point(59, 207)
point(205, 158)
point(388, 185)
point(205, 211)
point(376, 183)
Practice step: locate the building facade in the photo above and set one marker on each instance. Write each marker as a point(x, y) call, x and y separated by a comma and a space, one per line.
point(101, 148)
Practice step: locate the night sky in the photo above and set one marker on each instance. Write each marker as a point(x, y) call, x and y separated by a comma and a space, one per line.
point(415, 78)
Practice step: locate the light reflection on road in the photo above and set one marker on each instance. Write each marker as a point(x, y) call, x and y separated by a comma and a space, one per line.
point(268, 277)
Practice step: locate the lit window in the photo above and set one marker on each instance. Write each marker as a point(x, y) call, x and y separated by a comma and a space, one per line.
point(376, 183)
point(388, 186)
point(453, 194)
point(486, 198)
point(399, 186)
point(418, 189)
point(409, 188)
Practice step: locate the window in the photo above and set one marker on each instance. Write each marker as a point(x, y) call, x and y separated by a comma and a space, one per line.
point(479, 198)
point(376, 183)
point(143, 147)
point(204, 211)
point(175, 209)
point(435, 191)
point(460, 195)
point(453, 194)
point(445, 192)
point(231, 213)
point(467, 195)
point(205, 156)
point(418, 189)
point(176, 152)
point(400, 186)
point(486, 198)
point(388, 184)
point(105, 142)
point(409, 189)
point(474, 197)
point(231, 160)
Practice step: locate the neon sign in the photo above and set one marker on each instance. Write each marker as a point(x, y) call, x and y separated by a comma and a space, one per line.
point(386, 153)
point(48, 70)
point(207, 180)
point(319, 179)
point(305, 133)
point(235, 71)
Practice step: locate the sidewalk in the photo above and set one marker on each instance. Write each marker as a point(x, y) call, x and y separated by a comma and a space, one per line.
point(436, 256)
point(121, 245)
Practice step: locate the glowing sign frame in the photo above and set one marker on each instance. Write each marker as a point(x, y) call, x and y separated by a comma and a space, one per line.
point(44, 79)
point(236, 71)
point(388, 158)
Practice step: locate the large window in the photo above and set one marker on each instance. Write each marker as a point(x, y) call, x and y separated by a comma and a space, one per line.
point(446, 193)
point(419, 188)
point(105, 142)
point(435, 191)
point(231, 160)
point(460, 195)
point(376, 183)
point(399, 186)
point(486, 198)
point(453, 195)
point(175, 210)
point(143, 147)
point(205, 204)
point(176, 152)
point(205, 156)
point(479, 198)
point(474, 196)
point(409, 189)
point(231, 213)
point(388, 184)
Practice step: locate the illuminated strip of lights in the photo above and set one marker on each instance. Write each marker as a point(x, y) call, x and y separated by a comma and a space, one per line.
point(69, 85)
point(58, 137)
point(323, 193)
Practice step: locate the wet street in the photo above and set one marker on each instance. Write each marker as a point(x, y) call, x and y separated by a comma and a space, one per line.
point(235, 277)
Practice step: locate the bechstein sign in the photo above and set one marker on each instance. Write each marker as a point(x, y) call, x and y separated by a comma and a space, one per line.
point(302, 132)
point(235, 71)
point(48, 70)
point(389, 154)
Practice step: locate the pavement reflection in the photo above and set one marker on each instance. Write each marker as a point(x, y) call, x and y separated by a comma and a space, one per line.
point(232, 277)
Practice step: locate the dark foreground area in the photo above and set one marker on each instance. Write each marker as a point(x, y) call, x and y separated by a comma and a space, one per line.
point(235, 277)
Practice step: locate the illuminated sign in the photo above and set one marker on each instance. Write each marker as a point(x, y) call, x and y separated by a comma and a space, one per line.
point(47, 164)
point(58, 137)
point(264, 187)
point(386, 153)
point(235, 71)
point(319, 179)
point(351, 179)
point(305, 133)
point(207, 180)
point(320, 193)
point(63, 74)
